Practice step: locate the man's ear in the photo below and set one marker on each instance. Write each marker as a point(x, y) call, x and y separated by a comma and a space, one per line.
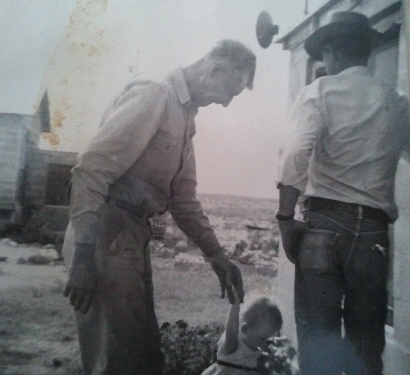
point(244, 327)
point(216, 68)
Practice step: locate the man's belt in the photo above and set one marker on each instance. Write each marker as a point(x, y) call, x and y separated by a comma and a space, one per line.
point(233, 365)
point(131, 208)
point(320, 204)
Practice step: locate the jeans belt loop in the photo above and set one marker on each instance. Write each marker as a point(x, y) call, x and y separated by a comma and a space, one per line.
point(360, 211)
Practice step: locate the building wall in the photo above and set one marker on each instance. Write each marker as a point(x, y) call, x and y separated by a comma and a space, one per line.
point(397, 358)
point(48, 177)
point(36, 177)
point(14, 130)
point(397, 353)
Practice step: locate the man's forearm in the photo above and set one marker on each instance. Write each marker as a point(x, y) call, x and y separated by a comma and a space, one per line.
point(290, 234)
point(288, 197)
point(188, 214)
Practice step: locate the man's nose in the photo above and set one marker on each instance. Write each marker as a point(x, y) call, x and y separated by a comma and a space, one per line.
point(226, 102)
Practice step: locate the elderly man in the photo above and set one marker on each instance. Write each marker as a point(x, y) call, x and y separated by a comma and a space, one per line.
point(350, 129)
point(142, 162)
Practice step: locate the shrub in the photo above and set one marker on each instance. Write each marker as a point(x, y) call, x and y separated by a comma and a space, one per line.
point(32, 231)
point(191, 350)
point(39, 230)
point(277, 360)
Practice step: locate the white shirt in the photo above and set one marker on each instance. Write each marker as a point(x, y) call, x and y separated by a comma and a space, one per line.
point(242, 356)
point(349, 132)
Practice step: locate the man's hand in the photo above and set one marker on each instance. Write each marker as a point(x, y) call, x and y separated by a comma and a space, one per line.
point(291, 231)
point(82, 280)
point(229, 276)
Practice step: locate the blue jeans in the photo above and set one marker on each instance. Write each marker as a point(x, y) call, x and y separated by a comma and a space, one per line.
point(341, 275)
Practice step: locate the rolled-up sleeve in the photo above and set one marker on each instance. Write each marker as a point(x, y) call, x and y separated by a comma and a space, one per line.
point(307, 123)
point(187, 211)
point(124, 134)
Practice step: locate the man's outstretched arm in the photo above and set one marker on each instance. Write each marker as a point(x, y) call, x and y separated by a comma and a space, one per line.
point(188, 214)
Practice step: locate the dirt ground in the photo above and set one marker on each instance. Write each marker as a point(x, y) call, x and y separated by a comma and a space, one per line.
point(37, 332)
point(37, 329)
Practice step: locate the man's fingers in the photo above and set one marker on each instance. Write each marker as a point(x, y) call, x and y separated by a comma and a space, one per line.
point(79, 300)
point(240, 293)
point(67, 290)
point(229, 277)
point(87, 303)
point(235, 277)
point(73, 296)
point(231, 295)
point(223, 288)
point(235, 281)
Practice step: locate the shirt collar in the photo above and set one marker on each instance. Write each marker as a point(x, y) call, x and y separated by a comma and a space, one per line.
point(359, 69)
point(180, 85)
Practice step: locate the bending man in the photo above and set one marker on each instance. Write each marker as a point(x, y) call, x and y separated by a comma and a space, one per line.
point(142, 162)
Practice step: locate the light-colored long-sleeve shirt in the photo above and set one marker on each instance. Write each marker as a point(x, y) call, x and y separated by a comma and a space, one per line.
point(349, 132)
point(143, 154)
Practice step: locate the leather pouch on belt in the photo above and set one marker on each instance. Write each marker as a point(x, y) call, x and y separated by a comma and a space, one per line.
point(316, 249)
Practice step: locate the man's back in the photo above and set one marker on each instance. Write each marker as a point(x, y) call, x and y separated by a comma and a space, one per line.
point(363, 128)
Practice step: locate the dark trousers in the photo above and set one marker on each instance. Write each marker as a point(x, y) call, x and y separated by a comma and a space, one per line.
point(341, 276)
point(119, 335)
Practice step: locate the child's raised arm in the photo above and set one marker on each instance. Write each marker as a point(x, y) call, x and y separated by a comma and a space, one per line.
point(232, 328)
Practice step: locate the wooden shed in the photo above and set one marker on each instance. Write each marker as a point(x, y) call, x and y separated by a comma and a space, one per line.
point(389, 63)
point(31, 179)
point(14, 135)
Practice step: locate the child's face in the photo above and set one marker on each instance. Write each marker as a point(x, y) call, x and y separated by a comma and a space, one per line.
point(257, 335)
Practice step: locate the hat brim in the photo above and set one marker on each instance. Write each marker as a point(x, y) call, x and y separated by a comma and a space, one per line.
point(315, 42)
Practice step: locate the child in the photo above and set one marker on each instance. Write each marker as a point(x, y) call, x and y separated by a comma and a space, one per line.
point(244, 339)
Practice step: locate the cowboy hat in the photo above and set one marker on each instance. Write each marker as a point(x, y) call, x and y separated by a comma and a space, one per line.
point(342, 24)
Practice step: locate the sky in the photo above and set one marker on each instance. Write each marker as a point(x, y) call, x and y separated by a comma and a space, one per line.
point(84, 51)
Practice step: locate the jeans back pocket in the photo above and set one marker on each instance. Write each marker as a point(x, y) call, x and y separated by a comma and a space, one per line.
point(316, 249)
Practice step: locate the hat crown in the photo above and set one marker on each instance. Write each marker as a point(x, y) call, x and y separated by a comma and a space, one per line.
point(351, 17)
point(342, 24)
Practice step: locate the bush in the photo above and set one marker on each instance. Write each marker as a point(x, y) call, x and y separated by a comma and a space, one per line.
point(277, 360)
point(39, 230)
point(191, 350)
point(33, 230)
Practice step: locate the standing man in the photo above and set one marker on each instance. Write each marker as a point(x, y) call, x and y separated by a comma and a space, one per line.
point(350, 131)
point(142, 162)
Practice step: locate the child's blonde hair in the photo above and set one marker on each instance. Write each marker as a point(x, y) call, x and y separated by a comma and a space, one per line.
point(259, 308)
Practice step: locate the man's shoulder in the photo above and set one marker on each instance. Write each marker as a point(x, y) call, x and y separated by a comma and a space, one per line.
point(311, 91)
point(142, 82)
